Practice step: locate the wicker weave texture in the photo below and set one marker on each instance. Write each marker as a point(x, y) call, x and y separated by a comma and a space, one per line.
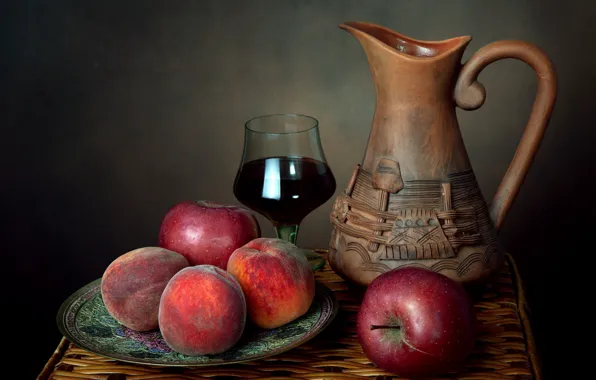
point(504, 348)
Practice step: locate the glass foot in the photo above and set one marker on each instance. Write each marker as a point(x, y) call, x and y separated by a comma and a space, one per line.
point(316, 261)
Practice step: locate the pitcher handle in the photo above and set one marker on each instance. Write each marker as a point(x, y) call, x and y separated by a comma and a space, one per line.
point(470, 95)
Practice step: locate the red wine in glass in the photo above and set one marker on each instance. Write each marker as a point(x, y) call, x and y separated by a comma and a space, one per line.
point(283, 174)
point(284, 189)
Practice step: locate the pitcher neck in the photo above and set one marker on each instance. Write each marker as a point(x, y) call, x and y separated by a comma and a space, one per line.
point(405, 69)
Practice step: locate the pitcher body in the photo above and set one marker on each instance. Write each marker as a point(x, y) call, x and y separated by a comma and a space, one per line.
point(414, 199)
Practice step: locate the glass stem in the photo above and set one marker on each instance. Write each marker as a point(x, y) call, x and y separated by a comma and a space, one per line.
point(288, 233)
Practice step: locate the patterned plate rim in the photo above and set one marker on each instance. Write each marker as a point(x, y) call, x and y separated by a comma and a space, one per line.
point(78, 298)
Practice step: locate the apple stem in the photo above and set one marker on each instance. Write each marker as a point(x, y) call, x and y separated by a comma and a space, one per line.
point(374, 327)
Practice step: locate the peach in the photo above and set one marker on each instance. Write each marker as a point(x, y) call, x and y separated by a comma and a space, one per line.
point(276, 278)
point(202, 311)
point(132, 284)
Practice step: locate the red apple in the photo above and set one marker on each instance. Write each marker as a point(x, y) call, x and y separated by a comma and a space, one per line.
point(207, 232)
point(415, 322)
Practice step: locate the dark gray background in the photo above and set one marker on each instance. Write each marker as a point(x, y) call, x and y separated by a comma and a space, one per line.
point(112, 111)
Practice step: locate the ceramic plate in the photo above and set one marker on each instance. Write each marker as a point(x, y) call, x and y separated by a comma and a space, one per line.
point(84, 320)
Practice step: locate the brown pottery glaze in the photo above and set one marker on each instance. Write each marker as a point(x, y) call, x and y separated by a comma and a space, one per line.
point(414, 199)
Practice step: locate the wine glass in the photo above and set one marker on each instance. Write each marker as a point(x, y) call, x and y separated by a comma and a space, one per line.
point(283, 174)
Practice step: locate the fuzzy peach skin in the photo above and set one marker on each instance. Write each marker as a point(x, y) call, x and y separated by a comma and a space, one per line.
point(202, 311)
point(132, 285)
point(277, 280)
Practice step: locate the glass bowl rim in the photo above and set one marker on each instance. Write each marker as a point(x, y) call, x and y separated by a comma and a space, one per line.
point(295, 115)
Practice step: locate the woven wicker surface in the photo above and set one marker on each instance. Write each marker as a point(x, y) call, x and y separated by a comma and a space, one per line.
point(504, 349)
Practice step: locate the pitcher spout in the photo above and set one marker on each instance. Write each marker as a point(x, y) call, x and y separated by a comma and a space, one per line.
point(407, 47)
point(400, 63)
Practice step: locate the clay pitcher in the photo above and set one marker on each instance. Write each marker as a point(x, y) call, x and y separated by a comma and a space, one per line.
point(414, 199)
